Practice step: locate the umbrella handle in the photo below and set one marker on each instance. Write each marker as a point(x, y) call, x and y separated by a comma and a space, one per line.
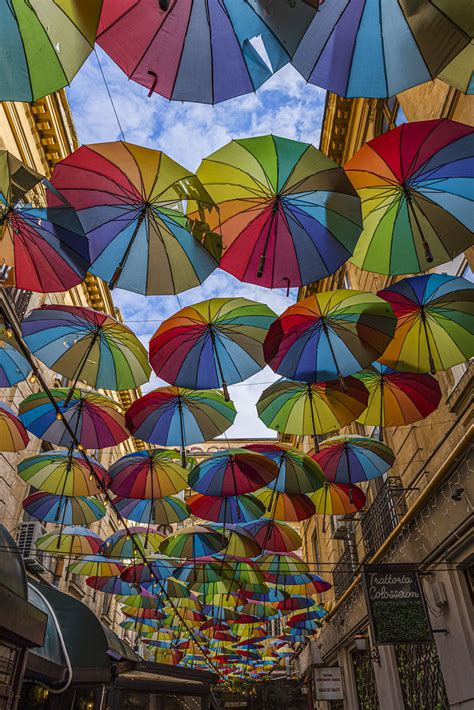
point(153, 74)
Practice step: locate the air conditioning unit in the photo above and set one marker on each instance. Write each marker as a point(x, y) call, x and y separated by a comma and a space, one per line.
point(343, 527)
point(28, 533)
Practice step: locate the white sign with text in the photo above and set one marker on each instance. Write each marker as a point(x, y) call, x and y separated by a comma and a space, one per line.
point(328, 683)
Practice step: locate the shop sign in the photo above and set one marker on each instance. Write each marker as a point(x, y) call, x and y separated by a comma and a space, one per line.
point(328, 683)
point(396, 605)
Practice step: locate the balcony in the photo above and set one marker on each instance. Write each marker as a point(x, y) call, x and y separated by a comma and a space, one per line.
point(19, 301)
point(344, 571)
point(383, 516)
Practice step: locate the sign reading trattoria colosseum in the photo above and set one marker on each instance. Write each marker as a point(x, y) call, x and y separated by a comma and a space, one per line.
point(396, 605)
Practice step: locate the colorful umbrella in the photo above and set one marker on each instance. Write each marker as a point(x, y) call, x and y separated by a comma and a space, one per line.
point(63, 473)
point(44, 45)
point(193, 542)
point(136, 541)
point(313, 585)
point(72, 540)
point(96, 565)
point(158, 511)
point(275, 536)
point(417, 203)
point(13, 436)
point(139, 625)
point(145, 614)
point(288, 215)
point(360, 48)
point(284, 568)
point(308, 620)
point(145, 600)
point(459, 72)
point(295, 603)
point(240, 544)
point(229, 509)
point(352, 459)
point(147, 475)
point(212, 344)
point(72, 511)
point(96, 421)
point(232, 472)
point(435, 323)
point(172, 416)
point(285, 506)
point(157, 568)
point(130, 201)
point(311, 409)
point(112, 585)
point(296, 471)
point(171, 587)
point(14, 367)
point(205, 570)
point(16, 178)
point(338, 499)
point(84, 344)
point(201, 51)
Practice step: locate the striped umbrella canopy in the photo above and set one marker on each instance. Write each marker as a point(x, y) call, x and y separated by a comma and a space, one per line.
point(232, 472)
point(156, 511)
point(83, 344)
point(275, 536)
point(44, 45)
point(171, 587)
point(435, 323)
point(313, 585)
point(212, 344)
point(285, 506)
point(397, 398)
point(112, 585)
point(63, 473)
point(201, 51)
point(338, 499)
point(174, 416)
point(193, 542)
point(459, 72)
point(360, 48)
point(147, 475)
point(169, 656)
point(312, 409)
point(71, 540)
point(295, 603)
point(240, 544)
point(158, 567)
point(329, 335)
point(130, 201)
point(145, 600)
point(96, 565)
point(76, 510)
point(96, 421)
point(142, 614)
point(305, 621)
point(131, 542)
point(352, 459)
point(204, 570)
point(229, 509)
point(417, 203)
point(14, 367)
point(288, 215)
point(283, 568)
point(13, 435)
point(139, 625)
point(296, 471)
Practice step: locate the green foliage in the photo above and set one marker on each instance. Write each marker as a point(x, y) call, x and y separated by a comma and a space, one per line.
point(400, 621)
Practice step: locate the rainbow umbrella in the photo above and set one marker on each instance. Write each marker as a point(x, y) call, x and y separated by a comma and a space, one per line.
point(97, 565)
point(240, 544)
point(212, 344)
point(307, 621)
point(205, 571)
point(169, 656)
point(63, 473)
point(435, 323)
point(312, 409)
point(201, 51)
point(288, 215)
point(84, 344)
point(147, 475)
point(72, 540)
point(285, 506)
point(284, 568)
point(158, 567)
point(275, 536)
point(338, 499)
point(232, 473)
point(13, 436)
point(295, 603)
point(96, 421)
point(171, 587)
point(142, 614)
point(352, 459)
point(14, 367)
point(173, 416)
point(360, 48)
point(145, 600)
point(72, 511)
point(139, 625)
point(313, 585)
point(112, 585)
point(329, 335)
point(157, 511)
point(296, 471)
point(130, 201)
point(136, 541)
point(417, 203)
point(397, 398)
point(229, 509)
point(193, 542)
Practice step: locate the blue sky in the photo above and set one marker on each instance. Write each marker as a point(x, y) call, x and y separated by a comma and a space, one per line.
point(285, 106)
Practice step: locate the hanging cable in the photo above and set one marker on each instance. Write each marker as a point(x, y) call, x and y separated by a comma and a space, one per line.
point(109, 93)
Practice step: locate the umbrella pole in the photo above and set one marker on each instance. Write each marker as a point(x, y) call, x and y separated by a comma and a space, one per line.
point(315, 436)
point(382, 418)
point(181, 427)
point(342, 384)
point(81, 365)
point(425, 328)
point(152, 502)
point(261, 263)
point(121, 266)
point(324, 506)
point(219, 366)
point(348, 471)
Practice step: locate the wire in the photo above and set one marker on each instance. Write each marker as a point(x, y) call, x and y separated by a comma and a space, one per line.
point(110, 96)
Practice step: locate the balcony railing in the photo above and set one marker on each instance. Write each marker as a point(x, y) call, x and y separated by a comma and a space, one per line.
point(344, 571)
point(383, 516)
point(20, 301)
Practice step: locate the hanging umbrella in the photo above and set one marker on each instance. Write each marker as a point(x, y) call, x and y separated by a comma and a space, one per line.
point(158, 511)
point(313, 585)
point(170, 587)
point(307, 621)
point(205, 570)
point(352, 459)
point(146, 600)
point(435, 323)
point(229, 509)
point(338, 499)
point(288, 215)
point(142, 614)
point(139, 625)
point(232, 472)
point(201, 51)
point(329, 335)
point(295, 603)
point(358, 48)
point(193, 542)
point(97, 565)
point(397, 398)
point(13, 436)
point(72, 540)
point(240, 544)
point(14, 367)
point(169, 656)
point(136, 541)
point(147, 475)
point(285, 506)
point(296, 471)
point(16, 178)
point(112, 585)
point(312, 409)
point(83, 344)
point(130, 202)
point(44, 45)
point(73, 511)
point(275, 536)
point(283, 568)
point(63, 473)
point(414, 183)
point(96, 421)
point(157, 568)
point(172, 416)
point(212, 344)
point(459, 72)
